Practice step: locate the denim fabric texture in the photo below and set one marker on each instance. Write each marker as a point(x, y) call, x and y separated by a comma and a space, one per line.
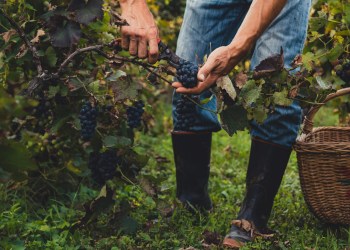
point(209, 24)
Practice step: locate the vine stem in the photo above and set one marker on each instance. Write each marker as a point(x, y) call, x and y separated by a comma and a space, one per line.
point(25, 39)
point(77, 52)
point(200, 105)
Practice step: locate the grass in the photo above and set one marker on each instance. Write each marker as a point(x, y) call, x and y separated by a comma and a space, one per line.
point(27, 224)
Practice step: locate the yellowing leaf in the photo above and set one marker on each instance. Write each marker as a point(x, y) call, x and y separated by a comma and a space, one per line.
point(8, 34)
point(72, 168)
point(39, 33)
point(225, 83)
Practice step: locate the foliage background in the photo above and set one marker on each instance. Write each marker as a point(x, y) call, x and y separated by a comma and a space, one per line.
point(46, 190)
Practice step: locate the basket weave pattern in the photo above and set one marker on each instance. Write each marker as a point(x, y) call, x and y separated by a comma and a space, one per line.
point(324, 169)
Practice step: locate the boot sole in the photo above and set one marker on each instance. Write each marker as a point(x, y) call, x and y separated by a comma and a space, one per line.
point(232, 243)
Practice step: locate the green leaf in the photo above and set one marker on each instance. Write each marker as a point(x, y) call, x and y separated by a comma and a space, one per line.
point(281, 98)
point(116, 75)
point(335, 52)
point(14, 157)
point(322, 84)
point(250, 92)
point(51, 57)
point(116, 141)
point(66, 35)
point(128, 225)
point(259, 114)
point(53, 90)
point(86, 11)
point(233, 118)
point(125, 89)
point(317, 23)
point(307, 60)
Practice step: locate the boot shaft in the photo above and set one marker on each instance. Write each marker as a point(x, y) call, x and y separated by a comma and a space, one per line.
point(192, 162)
point(267, 164)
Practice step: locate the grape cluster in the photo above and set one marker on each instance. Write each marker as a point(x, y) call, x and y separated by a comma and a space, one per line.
point(43, 113)
point(185, 111)
point(134, 114)
point(103, 165)
point(186, 73)
point(344, 73)
point(88, 121)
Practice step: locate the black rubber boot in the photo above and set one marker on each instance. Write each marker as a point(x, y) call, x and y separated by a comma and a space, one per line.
point(267, 164)
point(192, 162)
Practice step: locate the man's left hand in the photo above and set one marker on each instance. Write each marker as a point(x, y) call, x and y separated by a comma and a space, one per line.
point(220, 62)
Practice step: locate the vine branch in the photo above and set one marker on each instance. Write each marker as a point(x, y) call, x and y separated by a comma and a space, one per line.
point(25, 39)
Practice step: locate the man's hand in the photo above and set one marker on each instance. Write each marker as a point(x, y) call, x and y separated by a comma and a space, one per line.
point(260, 15)
point(141, 36)
point(220, 62)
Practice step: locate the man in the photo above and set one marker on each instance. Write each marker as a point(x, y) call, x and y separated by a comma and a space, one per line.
point(231, 28)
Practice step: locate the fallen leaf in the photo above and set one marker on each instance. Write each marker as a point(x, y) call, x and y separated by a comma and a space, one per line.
point(8, 34)
point(39, 33)
point(22, 51)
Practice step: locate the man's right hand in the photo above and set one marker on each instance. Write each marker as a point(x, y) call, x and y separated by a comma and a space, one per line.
point(141, 36)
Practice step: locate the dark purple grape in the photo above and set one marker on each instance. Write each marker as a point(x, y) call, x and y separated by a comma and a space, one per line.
point(186, 73)
point(134, 114)
point(88, 120)
point(185, 110)
point(103, 165)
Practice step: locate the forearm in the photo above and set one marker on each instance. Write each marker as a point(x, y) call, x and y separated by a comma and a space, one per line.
point(260, 15)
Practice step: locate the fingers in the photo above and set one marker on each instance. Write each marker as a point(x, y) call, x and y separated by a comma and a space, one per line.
point(205, 71)
point(140, 43)
point(210, 80)
point(153, 50)
point(142, 49)
point(133, 46)
point(125, 39)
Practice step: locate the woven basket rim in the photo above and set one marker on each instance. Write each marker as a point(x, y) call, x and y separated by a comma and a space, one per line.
point(319, 129)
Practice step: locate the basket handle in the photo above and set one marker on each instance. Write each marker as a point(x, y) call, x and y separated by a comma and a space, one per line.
point(308, 121)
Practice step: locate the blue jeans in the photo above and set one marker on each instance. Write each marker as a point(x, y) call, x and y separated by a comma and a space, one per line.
point(209, 24)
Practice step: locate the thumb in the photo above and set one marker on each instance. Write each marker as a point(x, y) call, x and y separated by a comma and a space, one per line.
point(205, 71)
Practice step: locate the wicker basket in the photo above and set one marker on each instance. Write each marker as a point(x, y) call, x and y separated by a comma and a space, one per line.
point(324, 167)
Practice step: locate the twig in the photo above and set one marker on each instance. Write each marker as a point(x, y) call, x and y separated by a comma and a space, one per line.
point(200, 105)
point(77, 52)
point(23, 36)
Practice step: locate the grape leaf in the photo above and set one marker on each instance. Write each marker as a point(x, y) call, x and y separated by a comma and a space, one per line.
point(335, 52)
point(116, 141)
point(322, 84)
point(50, 56)
point(233, 118)
point(240, 79)
point(14, 157)
point(86, 11)
point(269, 65)
point(317, 23)
point(125, 89)
point(225, 83)
point(307, 60)
point(65, 35)
point(250, 93)
point(259, 114)
point(281, 98)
